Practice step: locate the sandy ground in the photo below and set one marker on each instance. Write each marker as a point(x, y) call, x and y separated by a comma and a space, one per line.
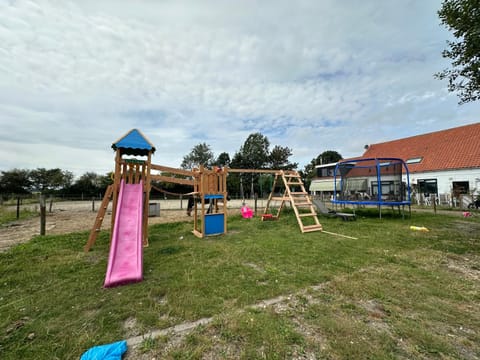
point(74, 216)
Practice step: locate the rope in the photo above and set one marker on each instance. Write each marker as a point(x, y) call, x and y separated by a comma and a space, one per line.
point(169, 192)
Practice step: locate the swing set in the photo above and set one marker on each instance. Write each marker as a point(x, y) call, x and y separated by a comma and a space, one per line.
point(209, 191)
point(130, 192)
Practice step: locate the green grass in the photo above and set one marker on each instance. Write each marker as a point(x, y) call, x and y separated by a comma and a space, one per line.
point(8, 216)
point(392, 293)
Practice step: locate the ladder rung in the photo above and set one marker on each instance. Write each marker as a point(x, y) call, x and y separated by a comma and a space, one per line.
point(303, 204)
point(299, 193)
point(310, 228)
point(307, 214)
point(278, 198)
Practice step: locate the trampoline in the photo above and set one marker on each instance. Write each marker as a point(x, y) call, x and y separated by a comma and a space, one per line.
point(372, 181)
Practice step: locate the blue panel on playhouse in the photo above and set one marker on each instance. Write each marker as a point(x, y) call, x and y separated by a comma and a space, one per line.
point(213, 196)
point(214, 224)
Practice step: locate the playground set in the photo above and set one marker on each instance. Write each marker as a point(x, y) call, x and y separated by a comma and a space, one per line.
point(130, 193)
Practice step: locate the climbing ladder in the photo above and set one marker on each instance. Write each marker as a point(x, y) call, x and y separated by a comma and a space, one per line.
point(295, 193)
point(98, 221)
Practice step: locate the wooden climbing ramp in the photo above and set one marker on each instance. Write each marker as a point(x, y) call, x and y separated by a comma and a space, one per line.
point(294, 192)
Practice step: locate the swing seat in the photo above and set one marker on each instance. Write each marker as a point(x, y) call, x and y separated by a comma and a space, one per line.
point(267, 217)
point(247, 213)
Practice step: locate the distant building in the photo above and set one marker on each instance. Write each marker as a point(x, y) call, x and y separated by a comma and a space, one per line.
point(444, 163)
point(322, 184)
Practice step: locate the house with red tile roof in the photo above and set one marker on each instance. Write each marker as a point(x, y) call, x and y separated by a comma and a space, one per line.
point(445, 163)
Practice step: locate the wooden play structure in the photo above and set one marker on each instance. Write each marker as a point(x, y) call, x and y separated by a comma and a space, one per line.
point(291, 191)
point(130, 171)
point(294, 192)
point(209, 190)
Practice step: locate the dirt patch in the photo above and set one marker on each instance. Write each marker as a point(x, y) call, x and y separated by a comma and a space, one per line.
point(68, 221)
point(467, 266)
point(76, 216)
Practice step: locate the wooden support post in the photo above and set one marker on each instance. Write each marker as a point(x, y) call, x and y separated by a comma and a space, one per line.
point(43, 215)
point(146, 169)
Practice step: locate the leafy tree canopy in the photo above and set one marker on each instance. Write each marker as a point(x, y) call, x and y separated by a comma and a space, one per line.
point(16, 181)
point(48, 180)
point(223, 160)
point(200, 154)
point(279, 158)
point(254, 152)
point(462, 17)
point(91, 184)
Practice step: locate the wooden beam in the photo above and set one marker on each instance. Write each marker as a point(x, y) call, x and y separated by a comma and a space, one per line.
point(172, 170)
point(172, 180)
point(258, 171)
point(345, 236)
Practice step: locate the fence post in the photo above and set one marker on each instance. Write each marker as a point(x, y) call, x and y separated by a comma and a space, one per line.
point(93, 204)
point(42, 215)
point(18, 207)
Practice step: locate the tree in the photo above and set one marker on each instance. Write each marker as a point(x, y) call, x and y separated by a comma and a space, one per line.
point(47, 181)
point(255, 152)
point(328, 157)
point(279, 158)
point(89, 184)
point(462, 17)
point(200, 154)
point(15, 181)
point(223, 160)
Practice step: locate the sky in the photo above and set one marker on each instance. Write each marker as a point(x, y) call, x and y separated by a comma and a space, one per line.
point(312, 75)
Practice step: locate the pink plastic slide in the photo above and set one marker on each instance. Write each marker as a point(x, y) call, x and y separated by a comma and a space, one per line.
point(125, 261)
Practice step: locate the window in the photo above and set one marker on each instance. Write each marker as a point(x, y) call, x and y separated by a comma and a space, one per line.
point(460, 187)
point(325, 171)
point(427, 186)
point(414, 160)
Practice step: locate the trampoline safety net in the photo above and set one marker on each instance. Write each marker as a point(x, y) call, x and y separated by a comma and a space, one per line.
point(372, 181)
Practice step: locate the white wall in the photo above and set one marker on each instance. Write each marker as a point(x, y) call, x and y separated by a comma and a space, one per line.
point(446, 178)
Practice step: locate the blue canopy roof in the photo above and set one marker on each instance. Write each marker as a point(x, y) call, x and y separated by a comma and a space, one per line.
point(134, 143)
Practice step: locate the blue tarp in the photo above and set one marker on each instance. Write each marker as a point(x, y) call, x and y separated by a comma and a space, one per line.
point(112, 351)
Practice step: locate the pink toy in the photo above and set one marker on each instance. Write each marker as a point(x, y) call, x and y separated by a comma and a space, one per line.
point(247, 213)
point(125, 261)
